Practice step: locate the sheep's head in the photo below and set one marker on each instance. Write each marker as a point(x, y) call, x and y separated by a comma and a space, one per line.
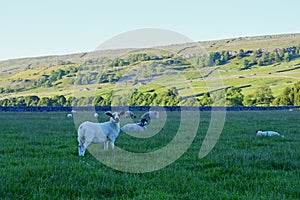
point(129, 114)
point(115, 117)
point(154, 114)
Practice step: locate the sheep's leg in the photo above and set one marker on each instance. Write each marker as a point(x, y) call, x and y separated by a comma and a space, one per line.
point(112, 145)
point(84, 147)
point(81, 148)
point(105, 145)
point(82, 151)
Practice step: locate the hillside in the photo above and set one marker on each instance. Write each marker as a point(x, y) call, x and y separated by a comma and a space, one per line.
point(167, 75)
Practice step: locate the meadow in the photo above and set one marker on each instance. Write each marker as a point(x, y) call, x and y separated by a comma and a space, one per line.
point(39, 160)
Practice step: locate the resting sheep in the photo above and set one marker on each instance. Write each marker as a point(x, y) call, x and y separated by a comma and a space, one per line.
point(267, 133)
point(89, 132)
point(141, 125)
point(135, 127)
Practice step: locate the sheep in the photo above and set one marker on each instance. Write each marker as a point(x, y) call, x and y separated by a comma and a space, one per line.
point(69, 115)
point(89, 132)
point(96, 115)
point(146, 117)
point(138, 127)
point(129, 114)
point(141, 126)
point(268, 133)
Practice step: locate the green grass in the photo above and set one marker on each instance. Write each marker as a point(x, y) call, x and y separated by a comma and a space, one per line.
point(38, 160)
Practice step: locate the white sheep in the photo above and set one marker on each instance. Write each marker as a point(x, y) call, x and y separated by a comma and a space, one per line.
point(133, 128)
point(89, 132)
point(69, 115)
point(129, 114)
point(267, 133)
point(96, 115)
point(138, 127)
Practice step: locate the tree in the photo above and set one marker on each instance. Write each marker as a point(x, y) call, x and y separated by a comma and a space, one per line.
point(59, 100)
point(32, 100)
point(246, 63)
point(225, 56)
point(45, 101)
point(190, 102)
point(263, 96)
point(218, 98)
point(5, 102)
point(20, 101)
point(249, 100)
point(205, 100)
point(260, 62)
point(110, 79)
point(286, 57)
point(277, 57)
point(234, 96)
point(98, 100)
point(266, 59)
point(173, 91)
point(241, 54)
point(214, 58)
point(70, 101)
point(289, 96)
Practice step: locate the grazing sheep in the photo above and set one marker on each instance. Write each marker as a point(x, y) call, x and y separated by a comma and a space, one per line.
point(69, 115)
point(267, 133)
point(135, 127)
point(96, 115)
point(89, 132)
point(129, 114)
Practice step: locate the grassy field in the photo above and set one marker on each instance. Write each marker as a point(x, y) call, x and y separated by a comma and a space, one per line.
point(38, 160)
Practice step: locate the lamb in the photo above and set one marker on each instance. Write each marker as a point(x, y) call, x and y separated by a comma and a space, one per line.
point(69, 115)
point(129, 114)
point(146, 117)
point(268, 133)
point(89, 132)
point(141, 125)
point(135, 127)
point(96, 115)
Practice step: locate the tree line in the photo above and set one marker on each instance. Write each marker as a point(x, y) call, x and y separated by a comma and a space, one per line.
point(251, 57)
point(231, 96)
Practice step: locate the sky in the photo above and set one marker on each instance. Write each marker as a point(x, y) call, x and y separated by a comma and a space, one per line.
point(38, 27)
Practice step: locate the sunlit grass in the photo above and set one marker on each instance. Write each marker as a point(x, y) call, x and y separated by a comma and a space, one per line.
point(38, 160)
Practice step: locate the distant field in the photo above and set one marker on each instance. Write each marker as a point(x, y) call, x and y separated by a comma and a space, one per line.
point(38, 160)
point(23, 77)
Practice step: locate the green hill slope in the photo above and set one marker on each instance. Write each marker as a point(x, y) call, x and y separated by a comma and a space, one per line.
point(182, 71)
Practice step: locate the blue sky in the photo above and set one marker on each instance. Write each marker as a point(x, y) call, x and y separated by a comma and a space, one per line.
point(36, 27)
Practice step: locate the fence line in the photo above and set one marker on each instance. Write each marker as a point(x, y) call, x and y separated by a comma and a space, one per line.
point(139, 108)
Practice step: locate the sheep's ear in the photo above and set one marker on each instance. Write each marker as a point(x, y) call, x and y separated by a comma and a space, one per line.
point(109, 114)
point(122, 113)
